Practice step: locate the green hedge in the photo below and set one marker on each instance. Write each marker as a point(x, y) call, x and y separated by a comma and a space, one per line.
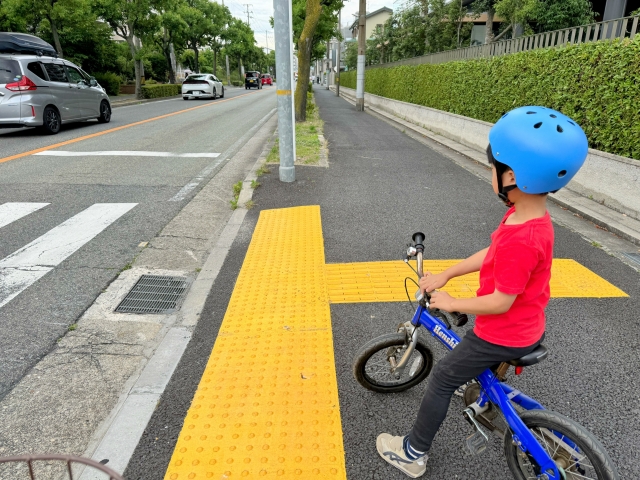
point(110, 82)
point(597, 84)
point(158, 91)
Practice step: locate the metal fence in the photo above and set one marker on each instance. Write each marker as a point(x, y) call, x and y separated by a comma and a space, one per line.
point(626, 27)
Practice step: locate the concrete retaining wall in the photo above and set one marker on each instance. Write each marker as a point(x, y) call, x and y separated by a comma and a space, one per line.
point(609, 179)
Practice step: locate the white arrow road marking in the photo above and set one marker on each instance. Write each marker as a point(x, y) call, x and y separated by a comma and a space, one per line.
point(12, 211)
point(125, 153)
point(30, 263)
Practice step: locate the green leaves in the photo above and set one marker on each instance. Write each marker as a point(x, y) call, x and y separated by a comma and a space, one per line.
point(596, 84)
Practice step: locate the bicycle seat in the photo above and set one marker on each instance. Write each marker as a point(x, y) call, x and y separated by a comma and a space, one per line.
point(539, 354)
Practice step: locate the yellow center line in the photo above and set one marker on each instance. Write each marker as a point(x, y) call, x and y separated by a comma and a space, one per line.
point(115, 129)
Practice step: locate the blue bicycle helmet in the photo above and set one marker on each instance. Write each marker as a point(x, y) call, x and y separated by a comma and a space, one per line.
point(543, 147)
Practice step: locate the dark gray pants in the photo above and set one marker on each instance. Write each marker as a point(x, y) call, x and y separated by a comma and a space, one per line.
point(469, 359)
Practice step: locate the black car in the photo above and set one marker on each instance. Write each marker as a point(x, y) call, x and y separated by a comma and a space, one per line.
point(252, 79)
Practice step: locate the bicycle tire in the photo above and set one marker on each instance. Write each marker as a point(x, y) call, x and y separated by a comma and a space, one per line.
point(580, 436)
point(384, 342)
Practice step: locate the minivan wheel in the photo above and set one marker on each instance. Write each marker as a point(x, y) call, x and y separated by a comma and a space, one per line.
point(51, 121)
point(215, 95)
point(105, 113)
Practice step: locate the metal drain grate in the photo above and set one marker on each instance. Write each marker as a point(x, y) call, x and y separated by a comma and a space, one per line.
point(634, 257)
point(154, 294)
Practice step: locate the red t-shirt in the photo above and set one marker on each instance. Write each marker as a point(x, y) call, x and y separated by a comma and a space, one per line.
point(518, 263)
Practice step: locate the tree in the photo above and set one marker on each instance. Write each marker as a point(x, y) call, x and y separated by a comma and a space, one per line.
point(132, 20)
point(314, 22)
point(241, 41)
point(516, 12)
point(351, 55)
point(170, 33)
point(558, 14)
point(204, 20)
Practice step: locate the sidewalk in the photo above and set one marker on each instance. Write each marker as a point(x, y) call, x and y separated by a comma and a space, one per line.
point(257, 408)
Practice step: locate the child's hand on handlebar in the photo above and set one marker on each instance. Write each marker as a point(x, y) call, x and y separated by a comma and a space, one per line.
point(430, 282)
point(442, 301)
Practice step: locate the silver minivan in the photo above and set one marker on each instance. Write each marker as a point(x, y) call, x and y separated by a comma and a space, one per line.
point(47, 92)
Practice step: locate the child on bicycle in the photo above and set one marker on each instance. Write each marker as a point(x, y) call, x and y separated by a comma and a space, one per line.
point(532, 151)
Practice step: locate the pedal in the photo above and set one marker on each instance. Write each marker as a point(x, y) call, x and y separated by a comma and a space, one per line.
point(476, 443)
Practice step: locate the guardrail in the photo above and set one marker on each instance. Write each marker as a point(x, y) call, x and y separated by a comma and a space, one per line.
point(626, 27)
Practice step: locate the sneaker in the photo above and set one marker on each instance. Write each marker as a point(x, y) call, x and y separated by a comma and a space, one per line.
point(390, 448)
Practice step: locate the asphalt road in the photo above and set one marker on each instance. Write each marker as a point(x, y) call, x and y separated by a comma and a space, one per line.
point(381, 187)
point(80, 253)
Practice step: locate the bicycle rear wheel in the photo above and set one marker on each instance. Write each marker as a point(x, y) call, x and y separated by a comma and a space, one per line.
point(575, 450)
point(373, 363)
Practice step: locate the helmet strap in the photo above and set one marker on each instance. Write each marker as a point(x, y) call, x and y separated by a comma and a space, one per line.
point(503, 192)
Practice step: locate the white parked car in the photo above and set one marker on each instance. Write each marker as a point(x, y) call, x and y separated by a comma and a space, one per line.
point(202, 85)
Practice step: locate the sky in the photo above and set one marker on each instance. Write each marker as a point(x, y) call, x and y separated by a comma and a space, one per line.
point(261, 10)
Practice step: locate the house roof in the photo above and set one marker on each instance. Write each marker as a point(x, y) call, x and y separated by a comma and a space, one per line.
point(380, 10)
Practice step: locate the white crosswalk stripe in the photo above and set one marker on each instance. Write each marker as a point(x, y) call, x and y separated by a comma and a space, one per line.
point(30, 263)
point(10, 212)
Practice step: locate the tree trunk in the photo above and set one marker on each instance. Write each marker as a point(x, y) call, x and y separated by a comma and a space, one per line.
point(196, 58)
point(166, 49)
point(305, 45)
point(136, 64)
point(56, 37)
point(215, 62)
point(488, 36)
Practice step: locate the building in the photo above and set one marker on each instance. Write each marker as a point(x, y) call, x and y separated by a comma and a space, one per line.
point(375, 22)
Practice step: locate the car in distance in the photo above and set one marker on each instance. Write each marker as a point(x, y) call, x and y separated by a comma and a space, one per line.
point(251, 80)
point(38, 89)
point(202, 85)
point(266, 79)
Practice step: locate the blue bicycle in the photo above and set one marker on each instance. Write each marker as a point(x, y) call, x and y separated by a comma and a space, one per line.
point(538, 443)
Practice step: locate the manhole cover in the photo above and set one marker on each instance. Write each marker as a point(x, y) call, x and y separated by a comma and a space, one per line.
point(634, 257)
point(154, 294)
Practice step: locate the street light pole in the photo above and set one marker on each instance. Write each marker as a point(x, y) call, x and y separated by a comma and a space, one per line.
point(362, 48)
point(283, 28)
point(338, 53)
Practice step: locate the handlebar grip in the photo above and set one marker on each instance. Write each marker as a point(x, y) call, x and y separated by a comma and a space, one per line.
point(418, 238)
point(459, 319)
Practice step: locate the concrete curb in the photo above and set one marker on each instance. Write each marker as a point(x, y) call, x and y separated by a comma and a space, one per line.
point(123, 428)
point(611, 220)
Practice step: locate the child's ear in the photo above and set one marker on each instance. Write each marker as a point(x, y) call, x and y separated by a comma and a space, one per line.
point(511, 178)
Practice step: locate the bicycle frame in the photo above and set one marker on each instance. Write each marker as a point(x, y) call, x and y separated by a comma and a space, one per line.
point(498, 393)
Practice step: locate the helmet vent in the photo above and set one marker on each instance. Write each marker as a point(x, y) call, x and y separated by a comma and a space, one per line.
point(562, 173)
point(553, 116)
point(529, 113)
point(537, 125)
point(559, 128)
point(571, 123)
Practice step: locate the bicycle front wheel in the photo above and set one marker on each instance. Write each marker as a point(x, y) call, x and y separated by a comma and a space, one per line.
point(373, 364)
point(576, 452)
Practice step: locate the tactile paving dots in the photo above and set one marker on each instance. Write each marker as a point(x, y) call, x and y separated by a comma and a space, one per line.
point(267, 404)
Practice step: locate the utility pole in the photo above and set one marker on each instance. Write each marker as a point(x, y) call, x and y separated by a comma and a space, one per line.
point(338, 54)
point(228, 72)
point(266, 37)
point(283, 29)
point(362, 50)
point(248, 13)
point(328, 63)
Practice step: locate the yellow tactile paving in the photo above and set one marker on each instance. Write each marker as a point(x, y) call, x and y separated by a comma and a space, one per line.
point(384, 281)
point(267, 403)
